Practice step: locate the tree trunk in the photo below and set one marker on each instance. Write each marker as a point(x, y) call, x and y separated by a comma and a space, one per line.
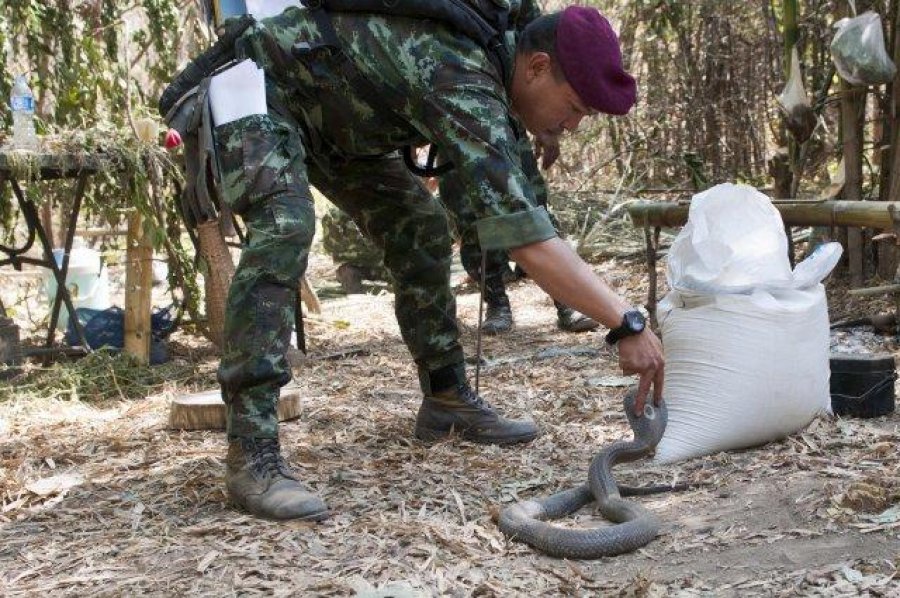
point(853, 106)
point(887, 252)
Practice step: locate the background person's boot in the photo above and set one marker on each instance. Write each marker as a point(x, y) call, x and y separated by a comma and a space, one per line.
point(259, 480)
point(498, 315)
point(497, 318)
point(574, 321)
point(459, 409)
point(350, 278)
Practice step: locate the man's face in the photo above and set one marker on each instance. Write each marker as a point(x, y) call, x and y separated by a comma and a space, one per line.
point(544, 102)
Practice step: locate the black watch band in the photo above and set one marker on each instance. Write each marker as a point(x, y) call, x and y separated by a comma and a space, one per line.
point(633, 322)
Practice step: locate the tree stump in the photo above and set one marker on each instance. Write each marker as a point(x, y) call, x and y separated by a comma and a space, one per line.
point(206, 411)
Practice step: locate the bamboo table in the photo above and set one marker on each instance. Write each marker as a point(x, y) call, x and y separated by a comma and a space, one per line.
point(46, 167)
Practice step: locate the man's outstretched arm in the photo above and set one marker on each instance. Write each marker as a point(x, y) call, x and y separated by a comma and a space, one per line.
point(558, 270)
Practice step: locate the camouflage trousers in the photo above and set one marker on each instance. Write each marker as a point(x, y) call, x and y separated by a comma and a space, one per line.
point(343, 241)
point(269, 189)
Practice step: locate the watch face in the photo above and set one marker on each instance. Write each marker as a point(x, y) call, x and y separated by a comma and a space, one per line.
point(634, 320)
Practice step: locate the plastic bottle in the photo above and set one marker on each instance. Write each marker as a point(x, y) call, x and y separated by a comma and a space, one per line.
point(21, 101)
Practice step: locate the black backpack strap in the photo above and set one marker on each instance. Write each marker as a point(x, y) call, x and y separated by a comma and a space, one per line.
point(429, 170)
point(482, 21)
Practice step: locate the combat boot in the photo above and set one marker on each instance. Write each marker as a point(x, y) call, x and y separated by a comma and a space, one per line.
point(351, 278)
point(259, 480)
point(459, 409)
point(498, 318)
point(574, 321)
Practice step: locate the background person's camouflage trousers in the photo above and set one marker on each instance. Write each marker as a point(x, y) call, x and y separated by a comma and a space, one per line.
point(356, 257)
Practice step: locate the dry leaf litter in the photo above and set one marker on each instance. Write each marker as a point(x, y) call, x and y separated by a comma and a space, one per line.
point(102, 499)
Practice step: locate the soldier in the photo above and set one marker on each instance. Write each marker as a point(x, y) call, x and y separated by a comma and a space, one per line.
point(345, 90)
point(358, 258)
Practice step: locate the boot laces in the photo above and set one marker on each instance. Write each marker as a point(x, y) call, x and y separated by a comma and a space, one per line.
point(468, 395)
point(267, 459)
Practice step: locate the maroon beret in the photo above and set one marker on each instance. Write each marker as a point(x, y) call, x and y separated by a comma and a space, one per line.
point(588, 51)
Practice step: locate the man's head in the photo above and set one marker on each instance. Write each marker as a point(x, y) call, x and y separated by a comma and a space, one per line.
point(568, 65)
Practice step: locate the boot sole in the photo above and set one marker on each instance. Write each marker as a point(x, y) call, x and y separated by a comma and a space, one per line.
point(315, 516)
point(429, 435)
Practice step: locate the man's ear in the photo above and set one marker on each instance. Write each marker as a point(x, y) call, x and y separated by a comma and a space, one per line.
point(539, 63)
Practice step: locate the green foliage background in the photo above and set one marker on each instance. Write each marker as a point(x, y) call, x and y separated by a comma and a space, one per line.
point(96, 66)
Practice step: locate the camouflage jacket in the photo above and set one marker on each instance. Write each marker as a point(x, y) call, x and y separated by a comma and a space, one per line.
point(438, 87)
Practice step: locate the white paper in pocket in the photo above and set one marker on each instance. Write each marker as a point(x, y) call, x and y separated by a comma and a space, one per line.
point(263, 9)
point(238, 92)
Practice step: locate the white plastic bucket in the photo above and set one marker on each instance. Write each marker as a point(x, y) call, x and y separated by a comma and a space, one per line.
point(87, 281)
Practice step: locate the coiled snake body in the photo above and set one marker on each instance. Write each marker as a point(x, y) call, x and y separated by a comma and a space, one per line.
point(528, 521)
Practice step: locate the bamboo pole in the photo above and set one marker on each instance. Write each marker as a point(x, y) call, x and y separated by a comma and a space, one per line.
point(853, 110)
point(853, 106)
point(871, 291)
point(138, 290)
point(869, 214)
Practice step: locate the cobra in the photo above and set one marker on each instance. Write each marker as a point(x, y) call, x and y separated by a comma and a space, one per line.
point(530, 521)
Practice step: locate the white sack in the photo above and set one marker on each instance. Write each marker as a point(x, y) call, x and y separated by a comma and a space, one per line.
point(742, 370)
point(746, 339)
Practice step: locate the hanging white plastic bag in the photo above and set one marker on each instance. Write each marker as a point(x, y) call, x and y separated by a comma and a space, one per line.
point(794, 94)
point(858, 51)
point(800, 118)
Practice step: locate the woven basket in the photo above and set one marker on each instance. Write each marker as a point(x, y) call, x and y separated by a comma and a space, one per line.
point(219, 272)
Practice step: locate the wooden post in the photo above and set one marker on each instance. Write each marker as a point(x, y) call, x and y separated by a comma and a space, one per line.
point(853, 106)
point(138, 290)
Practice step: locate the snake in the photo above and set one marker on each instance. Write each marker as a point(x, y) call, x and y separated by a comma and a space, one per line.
point(635, 526)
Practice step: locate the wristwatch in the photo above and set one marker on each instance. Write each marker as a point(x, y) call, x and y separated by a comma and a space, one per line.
point(633, 322)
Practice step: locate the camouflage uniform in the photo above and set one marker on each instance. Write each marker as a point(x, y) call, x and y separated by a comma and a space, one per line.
point(343, 241)
point(459, 206)
point(439, 88)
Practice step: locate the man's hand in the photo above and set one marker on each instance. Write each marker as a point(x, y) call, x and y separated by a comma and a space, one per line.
point(642, 355)
point(546, 149)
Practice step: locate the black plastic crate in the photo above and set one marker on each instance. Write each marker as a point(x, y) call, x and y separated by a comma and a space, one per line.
point(862, 385)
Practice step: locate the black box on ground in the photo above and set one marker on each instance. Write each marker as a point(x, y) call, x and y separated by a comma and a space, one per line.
point(862, 385)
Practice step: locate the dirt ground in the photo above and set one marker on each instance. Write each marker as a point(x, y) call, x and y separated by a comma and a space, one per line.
point(105, 500)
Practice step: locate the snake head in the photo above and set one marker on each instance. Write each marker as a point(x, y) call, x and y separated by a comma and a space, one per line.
point(650, 425)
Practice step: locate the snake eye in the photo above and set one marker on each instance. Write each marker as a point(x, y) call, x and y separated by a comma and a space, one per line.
point(649, 411)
